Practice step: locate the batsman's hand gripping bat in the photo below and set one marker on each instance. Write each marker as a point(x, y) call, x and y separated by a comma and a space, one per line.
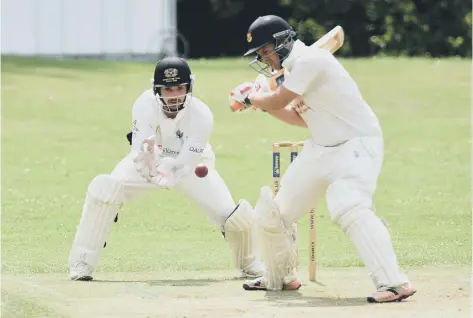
point(331, 41)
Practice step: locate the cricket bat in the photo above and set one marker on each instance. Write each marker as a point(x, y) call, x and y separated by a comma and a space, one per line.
point(331, 41)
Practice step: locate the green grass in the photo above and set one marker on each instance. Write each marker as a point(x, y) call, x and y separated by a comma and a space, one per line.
point(65, 122)
point(20, 306)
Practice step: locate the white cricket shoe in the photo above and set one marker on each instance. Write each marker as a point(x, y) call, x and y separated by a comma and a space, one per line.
point(392, 294)
point(254, 270)
point(260, 284)
point(81, 271)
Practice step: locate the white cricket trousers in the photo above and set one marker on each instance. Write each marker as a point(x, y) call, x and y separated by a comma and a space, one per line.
point(347, 175)
point(210, 194)
point(348, 170)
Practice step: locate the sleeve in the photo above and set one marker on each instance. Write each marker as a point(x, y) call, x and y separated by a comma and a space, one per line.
point(306, 69)
point(142, 126)
point(196, 141)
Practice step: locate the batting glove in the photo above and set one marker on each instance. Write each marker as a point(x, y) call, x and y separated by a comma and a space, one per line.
point(238, 98)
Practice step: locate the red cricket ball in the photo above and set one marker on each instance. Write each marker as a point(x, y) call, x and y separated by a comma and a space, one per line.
point(201, 171)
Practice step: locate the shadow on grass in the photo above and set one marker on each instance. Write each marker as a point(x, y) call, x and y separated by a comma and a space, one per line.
point(297, 299)
point(176, 282)
point(278, 299)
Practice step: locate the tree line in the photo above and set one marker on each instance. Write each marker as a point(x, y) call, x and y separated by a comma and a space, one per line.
point(435, 28)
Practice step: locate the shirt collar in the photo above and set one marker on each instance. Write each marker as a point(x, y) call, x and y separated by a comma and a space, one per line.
point(298, 49)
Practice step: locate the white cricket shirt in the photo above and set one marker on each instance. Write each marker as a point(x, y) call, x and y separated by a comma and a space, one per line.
point(185, 137)
point(336, 110)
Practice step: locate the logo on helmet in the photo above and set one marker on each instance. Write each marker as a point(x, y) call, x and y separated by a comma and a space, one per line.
point(171, 75)
point(170, 72)
point(249, 38)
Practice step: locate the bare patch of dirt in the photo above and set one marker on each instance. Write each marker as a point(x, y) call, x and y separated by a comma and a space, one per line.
point(442, 292)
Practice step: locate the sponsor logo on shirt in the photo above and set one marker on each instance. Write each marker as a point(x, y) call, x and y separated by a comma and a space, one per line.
point(197, 150)
point(168, 151)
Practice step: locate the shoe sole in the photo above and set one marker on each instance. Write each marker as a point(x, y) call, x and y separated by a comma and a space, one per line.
point(373, 300)
point(248, 287)
point(82, 278)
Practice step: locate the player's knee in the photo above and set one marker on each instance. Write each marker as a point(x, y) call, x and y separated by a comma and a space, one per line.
point(241, 219)
point(107, 189)
point(348, 208)
point(355, 214)
point(267, 212)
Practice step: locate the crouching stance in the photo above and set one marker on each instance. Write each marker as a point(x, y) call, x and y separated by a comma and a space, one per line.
point(169, 138)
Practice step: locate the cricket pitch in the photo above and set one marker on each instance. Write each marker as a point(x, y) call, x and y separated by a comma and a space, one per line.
point(442, 292)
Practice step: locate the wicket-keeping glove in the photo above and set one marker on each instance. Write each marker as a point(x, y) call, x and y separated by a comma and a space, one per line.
point(169, 173)
point(145, 160)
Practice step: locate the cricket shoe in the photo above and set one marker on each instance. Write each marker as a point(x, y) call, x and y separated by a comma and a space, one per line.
point(254, 270)
point(260, 284)
point(81, 271)
point(391, 294)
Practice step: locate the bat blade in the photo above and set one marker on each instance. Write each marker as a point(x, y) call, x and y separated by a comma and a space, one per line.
point(331, 41)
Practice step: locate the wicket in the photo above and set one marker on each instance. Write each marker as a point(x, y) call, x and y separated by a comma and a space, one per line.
point(294, 148)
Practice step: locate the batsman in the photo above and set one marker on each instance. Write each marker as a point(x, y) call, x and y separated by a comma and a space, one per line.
point(168, 140)
point(341, 160)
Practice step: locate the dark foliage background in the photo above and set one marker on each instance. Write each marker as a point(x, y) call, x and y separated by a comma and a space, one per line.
point(436, 28)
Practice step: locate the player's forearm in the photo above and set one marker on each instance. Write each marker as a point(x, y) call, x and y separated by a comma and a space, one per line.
point(267, 101)
point(142, 129)
point(289, 116)
point(138, 138)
